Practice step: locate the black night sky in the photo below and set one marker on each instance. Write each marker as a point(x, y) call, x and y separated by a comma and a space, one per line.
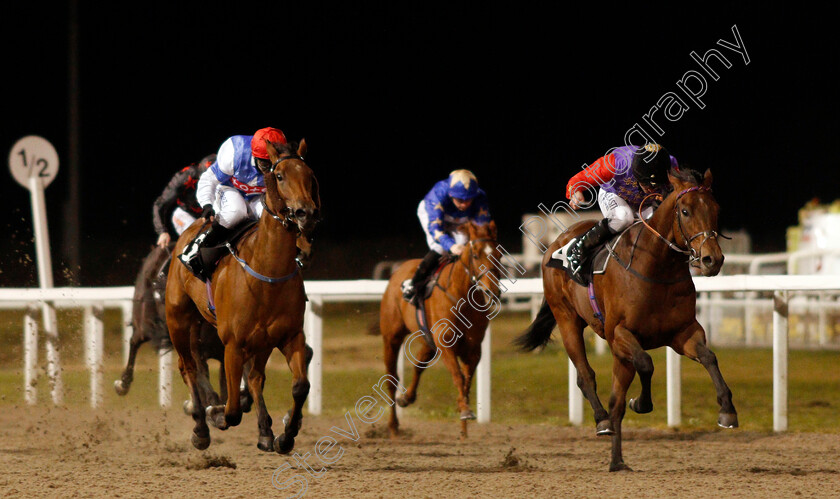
point(392, 96)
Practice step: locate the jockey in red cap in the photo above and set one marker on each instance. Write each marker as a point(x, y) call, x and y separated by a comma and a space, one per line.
point(229, 191)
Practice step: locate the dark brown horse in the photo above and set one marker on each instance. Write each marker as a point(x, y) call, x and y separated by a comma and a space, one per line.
point(648, 301)
point(259, 302)
point(457, 313)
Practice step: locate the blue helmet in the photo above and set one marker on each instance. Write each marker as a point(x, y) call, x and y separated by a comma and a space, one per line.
point(462, 184)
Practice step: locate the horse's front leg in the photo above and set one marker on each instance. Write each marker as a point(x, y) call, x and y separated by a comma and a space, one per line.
point(256, 383)
point(298, 354)
point(692, 343)
point(628, 348)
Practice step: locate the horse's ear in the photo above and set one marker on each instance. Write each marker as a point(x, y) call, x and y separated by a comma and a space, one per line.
point(677, 183)
point(302, 148)
point(707, 179)
point(272, 151)
point(492, 228)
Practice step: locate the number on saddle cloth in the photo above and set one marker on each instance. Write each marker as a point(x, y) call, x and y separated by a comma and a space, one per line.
point(596, 264)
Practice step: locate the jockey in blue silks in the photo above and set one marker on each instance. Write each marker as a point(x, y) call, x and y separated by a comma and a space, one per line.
point(450, 204)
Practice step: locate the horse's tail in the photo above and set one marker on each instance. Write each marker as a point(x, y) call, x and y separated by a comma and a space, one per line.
point(539, 332)
point(373, 328)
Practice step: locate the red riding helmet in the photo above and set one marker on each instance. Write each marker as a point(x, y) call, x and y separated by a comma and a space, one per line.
point(258, 149)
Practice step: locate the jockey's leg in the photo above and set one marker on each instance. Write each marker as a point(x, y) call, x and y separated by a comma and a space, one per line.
point(415, 287)
point(617, 216)
point(231, 208)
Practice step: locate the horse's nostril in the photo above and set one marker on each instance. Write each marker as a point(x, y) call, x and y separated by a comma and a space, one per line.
point(707, 261)
point(300, 213)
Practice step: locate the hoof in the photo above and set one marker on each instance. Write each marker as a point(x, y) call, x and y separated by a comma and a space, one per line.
point(728, 420)
point(284, 445)
point(188, 407)
point(620, 467)
point(216, 416)
point(245, 402)
point(120, 387)
point(402, 402)
point(200, 443)
point(233, 419)
point(467, 415)
point(604, 427)
point(266, 443)
point(638, 408)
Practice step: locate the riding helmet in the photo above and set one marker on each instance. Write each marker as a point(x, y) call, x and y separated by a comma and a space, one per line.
point(652, 170)
point(258, 149)
point(462, 184)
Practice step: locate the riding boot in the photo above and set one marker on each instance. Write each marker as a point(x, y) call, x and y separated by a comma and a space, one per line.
point(191, 257)
point(412, 287)
point(581, 251)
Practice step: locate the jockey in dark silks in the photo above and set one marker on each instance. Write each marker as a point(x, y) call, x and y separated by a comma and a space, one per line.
point(450, 204)
point(624, 177)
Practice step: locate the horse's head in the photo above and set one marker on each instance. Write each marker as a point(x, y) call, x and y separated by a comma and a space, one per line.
point(291, 186)
point(476, 256)
point(695, 224)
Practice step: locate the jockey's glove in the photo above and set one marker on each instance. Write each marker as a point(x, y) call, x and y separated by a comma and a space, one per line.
point(207, 211)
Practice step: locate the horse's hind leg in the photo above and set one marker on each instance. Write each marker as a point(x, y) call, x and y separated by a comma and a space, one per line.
point(181, 342)
point(451, 363)
point(692, 344)
point(391, 355)
point(623, 373)
point(122, 385)
point(468, 365)
point(256, 383)
point(298, 355)
point(571, 330)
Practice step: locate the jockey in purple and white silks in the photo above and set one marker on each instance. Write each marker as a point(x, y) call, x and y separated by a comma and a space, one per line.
point(624, 177)
point(229, 192)
point(450, 204)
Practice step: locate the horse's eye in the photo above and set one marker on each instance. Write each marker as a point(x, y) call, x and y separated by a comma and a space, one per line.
point(279, 177)
point(685, 212)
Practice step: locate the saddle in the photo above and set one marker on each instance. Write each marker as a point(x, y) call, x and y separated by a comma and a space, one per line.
point(594, 265)
point(209, 257)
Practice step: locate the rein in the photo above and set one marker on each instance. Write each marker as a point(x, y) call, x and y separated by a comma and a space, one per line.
point(474, 277)
point(693, 254)
point(286, 215)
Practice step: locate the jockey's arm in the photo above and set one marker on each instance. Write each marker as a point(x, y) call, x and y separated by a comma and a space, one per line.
point(220, 171)
point(434, 209)
point(598, 173)
point(167, 199)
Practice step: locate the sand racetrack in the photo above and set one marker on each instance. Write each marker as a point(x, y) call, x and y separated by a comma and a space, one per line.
point(78, 452)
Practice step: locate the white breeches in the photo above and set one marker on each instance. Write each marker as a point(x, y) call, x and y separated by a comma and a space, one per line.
point(460, 238)
point(618, 212)
point(181, 219)
point(231, 207)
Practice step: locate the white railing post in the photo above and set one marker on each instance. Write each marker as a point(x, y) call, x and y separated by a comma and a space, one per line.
point(780, 361)
point(313, 325)
point(50, 328)
point(165, 357)
point(483, 383)
point(575, 397)
point(93, 351)
point(127, 329)
point(30, 356)
point(674, 387)
point(600, 345)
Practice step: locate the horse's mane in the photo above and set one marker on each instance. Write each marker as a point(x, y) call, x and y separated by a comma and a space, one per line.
point(686, 173)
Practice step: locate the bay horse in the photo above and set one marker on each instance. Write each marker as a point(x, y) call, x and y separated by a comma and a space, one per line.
point(454, 306)
point(259, 300)
point(647, 300)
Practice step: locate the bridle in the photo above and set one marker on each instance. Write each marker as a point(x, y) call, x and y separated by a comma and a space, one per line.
point(482, 270)
point(693, 254)
point(286, 216)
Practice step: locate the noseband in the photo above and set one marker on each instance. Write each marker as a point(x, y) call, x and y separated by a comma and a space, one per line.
point(475, 277)
point(693, 254)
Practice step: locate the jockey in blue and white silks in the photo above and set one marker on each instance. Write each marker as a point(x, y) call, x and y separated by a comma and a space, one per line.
point(230, 190)
point(450, 204)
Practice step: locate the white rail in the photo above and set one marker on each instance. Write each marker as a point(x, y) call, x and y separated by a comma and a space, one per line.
point(320, 292)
